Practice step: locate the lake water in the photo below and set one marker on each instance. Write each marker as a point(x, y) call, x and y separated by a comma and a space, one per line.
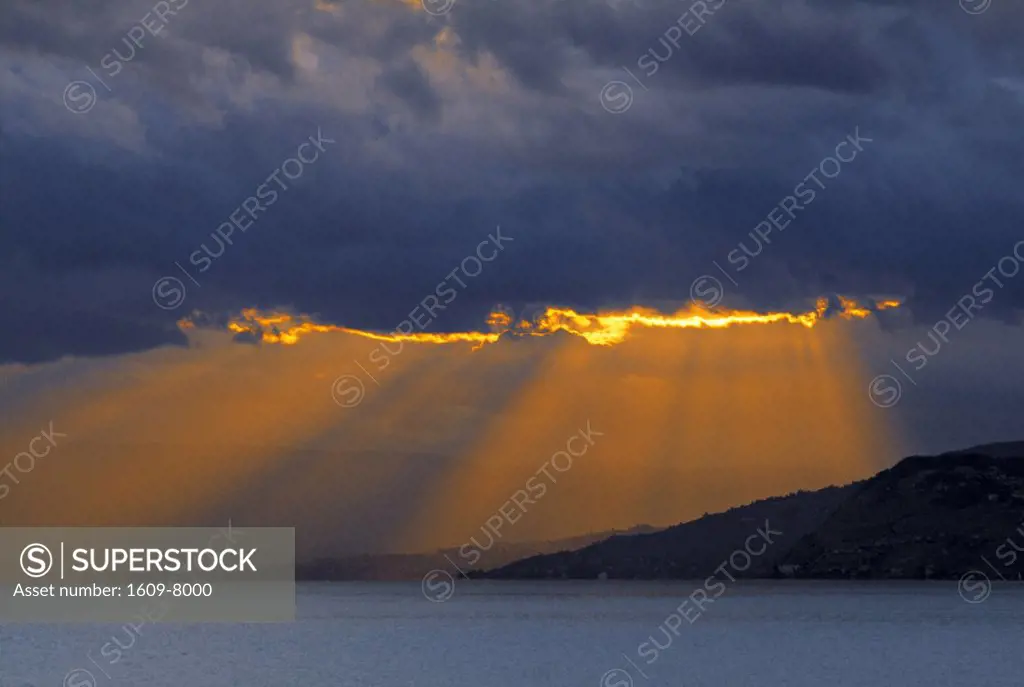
point(492, 634)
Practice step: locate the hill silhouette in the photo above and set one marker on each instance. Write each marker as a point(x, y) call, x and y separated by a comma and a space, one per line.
point(926, 517)
point(412, 566)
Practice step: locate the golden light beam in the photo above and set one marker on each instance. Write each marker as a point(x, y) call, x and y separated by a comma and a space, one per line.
point(517, 441)
point(164, 446)
point(723, 417)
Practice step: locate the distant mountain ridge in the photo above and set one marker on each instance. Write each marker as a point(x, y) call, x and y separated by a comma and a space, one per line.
point(689, 550)
point(926, 517)
point(400, 566)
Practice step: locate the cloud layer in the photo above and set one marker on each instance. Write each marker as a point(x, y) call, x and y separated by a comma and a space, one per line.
point(446, 125)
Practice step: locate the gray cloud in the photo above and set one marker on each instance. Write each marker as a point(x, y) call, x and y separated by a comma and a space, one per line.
point(497, 121)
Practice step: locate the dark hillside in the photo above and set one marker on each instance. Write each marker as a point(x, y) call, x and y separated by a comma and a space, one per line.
point(926, 517)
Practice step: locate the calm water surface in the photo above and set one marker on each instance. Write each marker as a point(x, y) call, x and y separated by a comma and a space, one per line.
point(556, 634)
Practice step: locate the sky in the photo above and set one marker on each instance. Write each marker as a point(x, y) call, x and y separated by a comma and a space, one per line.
point(762, 247)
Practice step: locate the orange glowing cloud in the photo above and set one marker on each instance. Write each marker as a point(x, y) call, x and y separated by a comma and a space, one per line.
point(600, 329)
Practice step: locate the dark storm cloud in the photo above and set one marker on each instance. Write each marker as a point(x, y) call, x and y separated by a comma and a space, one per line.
point(440, 137)
point(749, 43)
point(408, 79)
